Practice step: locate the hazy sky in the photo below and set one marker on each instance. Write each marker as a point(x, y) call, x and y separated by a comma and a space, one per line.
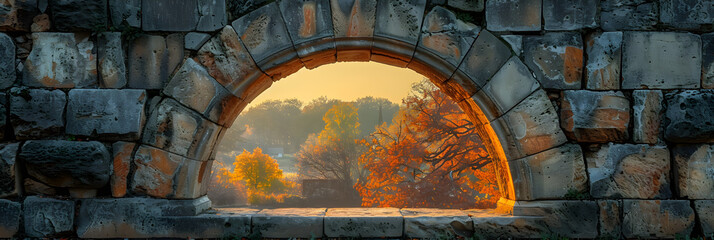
point(345, 81)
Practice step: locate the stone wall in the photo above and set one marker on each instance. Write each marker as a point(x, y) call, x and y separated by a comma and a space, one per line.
point(600, 113)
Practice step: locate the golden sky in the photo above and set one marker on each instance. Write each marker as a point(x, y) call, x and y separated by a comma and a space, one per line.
point(345, 81)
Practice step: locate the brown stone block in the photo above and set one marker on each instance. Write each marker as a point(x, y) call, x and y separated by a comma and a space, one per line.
point(122, 152)
point(588, 116)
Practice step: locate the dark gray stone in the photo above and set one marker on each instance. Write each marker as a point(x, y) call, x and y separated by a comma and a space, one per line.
point(399, 19)
point(467, 5)
point(36, 113)
point(168, 16)
point(690, 116)
point(47, 217)
point(17, 15)
point(567, 218)
point(484, 59)
point(75, 15)
point(67, 163)
point(570, 14)
point(704, 209)
point(513, 15)
point(263, 33)
point(687, 14)
point(604, 54)
point(9, 172)
point(152, 59)
point(708, 60)
point(550, 174)
point(556, 59)
point(590, 116)
point(194, 40)
point(446, 36)
point(657, 219)
point(647, 115)
point(694, 170)
point(629, 171)
point(106, 114)
point(112, 70)
point(7, 61)
point(515, 42)
point(10, 220)
point(661, 60)
point(632, 15)
point(610, 221)
point(125, 10)
point(211, 15)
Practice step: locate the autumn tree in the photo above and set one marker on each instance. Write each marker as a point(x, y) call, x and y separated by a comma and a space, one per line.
point(225, 188)
point(259, 171)
point(430, 156)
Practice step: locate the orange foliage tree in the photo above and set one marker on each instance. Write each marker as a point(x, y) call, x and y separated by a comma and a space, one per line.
point(262, 176)
point(225, 189)
point(430, 156)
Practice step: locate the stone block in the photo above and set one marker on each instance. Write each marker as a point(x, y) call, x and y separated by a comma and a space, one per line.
point(175, 128)
point(507, 226)
point(556, 59)
point(47, 217)
point(704, 208)
point(513, 15)
point(550, 174)
point(310, 21)
point(7, 61)
point(512, 73)
point(566, 218)
point(41, 23)
point(588, 116)
point(122, 153)
point(166, 15)
point(112, 70)
point(570, 14)
point(446, 36)
point(78, 15)
point(708, 60)
point(661, 60)
point(689, 116)
point(195, 40)
point(162, 174)
point(610, 222)
point(515, 42)
point(60, 60)
point(484, 59)
point(127, 10)
point(354, 20)
point(694, 171)
point(152, 59)
point(9, 171)
point(194, 87)
point(618, 15)
point(211, 15)
point(67, 163)
point(398, 23)
point(10, 222)
point(687, 14)
point(17, 15)
point(364, 222)
point(467, 5)
point(106, 114)
point(289, 223)
point(657, 218)
point(604, 51)
point(428, 223)
point(32, 187)
point(647, 113)
point(36, 113)
point(629, 171)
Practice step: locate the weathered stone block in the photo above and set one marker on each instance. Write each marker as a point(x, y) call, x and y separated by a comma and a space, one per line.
point(32, 187)
point(499, 89)
point(289, 222)
point(41, 23)
point(515, 42)
point(661, 60)
point(7, 61)
point(694, 165)
point(126, 10)
point(446, 36)
point(617, 15)
point(513, 15)
point(152, 59)
point(690, 116)
point(9, 172)
point(604, 52)
point(195, 40)
point(364, 222)
point(484, 59)
point(570, 14)
point(687, 14)
point(550, 174)
point(353, 20)
point(569, 218)
point(166, 175)
point(36, 113)
point(166, 15)
point(467, 5)
point(60, 60)
point(175, 128)
point(47, 217)
point(508, 226)
point(75, 15)
point(67, 163)
point(107, 114)
point(629, 171)
point(427, 223)
point(211, 15)
point(10, 222)
point(556, 59)
point(112, 70)
point(657, 218)
point(122, 155)
point(704, 208)
point(310, 21)
point(588, 116)
point(610, 222)
point(397, 22)
point(708, 60)
point(647, 114)
point(17, 15)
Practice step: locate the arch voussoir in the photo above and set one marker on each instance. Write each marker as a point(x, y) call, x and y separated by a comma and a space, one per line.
point(309, 24)
point(353, 23)
point(396, 31)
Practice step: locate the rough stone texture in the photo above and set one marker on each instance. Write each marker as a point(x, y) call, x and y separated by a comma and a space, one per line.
point(289, 222)
point(604, 51)
point(364, 222)
point(47, 217)
point(17, 15)
point(9, 172)
point(112, 70)
point(446, 36)
point(310, 21)
point(618, 15)
point(694, 171)
point(708, 60)
point(629, 171)
point(467, 5)
point(533, 125)
point(166, 15)
point(483, 60)
point(513, 15)
point(647, 114)
point(508, 226)
point(610, 222)
point(570, 14)
point(36, 113)
point(690, 116)
point(513, 73)
point(657, 218)
point(581, 222)
point(10, 222)
point(152, 59)
point(41, 23)
point(550, 174)
point(126, 10)
point(32, 187)
point(353, 20)
point(429, 223)
point(166, 175)
point(687, 14)
point(60, 60)
point(121, 164)
point(661, 60)
point(400, 21)
point(78, 15)
point(195, 40)
point(556, 59)
point(515, 41)
point(704, 208)
point(211, 15)
point(588, 116)
point(106, 114)
point(175, 128)
point(67, 163)
point(7, 61)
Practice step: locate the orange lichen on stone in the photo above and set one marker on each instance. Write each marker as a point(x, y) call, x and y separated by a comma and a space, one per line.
point(122, 158)
point(572, 64)
point(308, 25)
